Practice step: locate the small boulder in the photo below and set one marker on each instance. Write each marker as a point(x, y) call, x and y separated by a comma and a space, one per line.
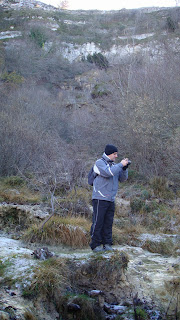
point(73, 307)
point(100, 296)
point(42, 253)
point(114, 309)
point(95, 293)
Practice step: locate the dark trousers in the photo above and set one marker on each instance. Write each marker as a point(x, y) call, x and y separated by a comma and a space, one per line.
point(101, 229)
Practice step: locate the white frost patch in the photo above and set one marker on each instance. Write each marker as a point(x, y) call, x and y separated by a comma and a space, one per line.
point(149, 272)
point(11, 247)
point(20, 260)
point(21, 268)
point(74, 22)
point(138, 36)
point(10, 34)
point(157, 237)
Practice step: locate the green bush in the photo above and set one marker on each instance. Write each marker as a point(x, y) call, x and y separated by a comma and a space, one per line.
point(38, 36)
point(99, 60)
point(145, 195)
point(139, 204)
point(99, 92)
point(141, 314)
point(13, 181)
point(171, 24)
point(136, 204)
point(12, 77)
point(63, 28)
point(3, 266)
point(2, 56)
point(150, 206)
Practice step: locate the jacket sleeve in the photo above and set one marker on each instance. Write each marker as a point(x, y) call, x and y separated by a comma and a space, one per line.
point(123, 175)
point(107, 171)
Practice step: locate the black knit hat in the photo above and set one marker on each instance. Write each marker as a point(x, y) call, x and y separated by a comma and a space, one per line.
point(109, 149)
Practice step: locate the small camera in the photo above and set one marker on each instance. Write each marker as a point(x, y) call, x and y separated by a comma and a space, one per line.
point(125, 167)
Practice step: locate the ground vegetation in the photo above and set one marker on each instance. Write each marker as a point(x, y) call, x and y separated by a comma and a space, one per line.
point(57, 115)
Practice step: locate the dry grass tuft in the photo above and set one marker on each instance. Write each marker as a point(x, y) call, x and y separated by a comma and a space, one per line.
point(173, 285)
point(175, 216)
point(15, 190)
point(154, 216)
point(165, 247)
point(51, 278)
point(77, 202)
point(103, 267)
point(160, 186)
point(127, 235)
point(59, 230)
point(29, 315)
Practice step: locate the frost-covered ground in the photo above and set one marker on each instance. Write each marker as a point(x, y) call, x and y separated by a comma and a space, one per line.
point(148, 272)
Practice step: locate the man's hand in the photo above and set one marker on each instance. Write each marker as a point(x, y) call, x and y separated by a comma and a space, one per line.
point(124, 162)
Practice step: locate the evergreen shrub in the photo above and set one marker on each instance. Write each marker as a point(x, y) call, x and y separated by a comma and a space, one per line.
point(136, 204)
point(12, 77)
point(99, 60)
point(171, 24)
point(99, 92)
point(13, 181)
point(38, 36)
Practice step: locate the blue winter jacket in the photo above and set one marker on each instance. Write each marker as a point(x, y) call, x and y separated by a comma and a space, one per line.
point(105, 185)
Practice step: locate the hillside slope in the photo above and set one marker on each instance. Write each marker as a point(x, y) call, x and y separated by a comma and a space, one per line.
point(76, 80)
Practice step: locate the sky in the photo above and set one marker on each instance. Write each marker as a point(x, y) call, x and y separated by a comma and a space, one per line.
point(114, 4)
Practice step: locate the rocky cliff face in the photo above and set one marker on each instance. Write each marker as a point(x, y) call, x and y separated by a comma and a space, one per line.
point(116, 34)
point(17, 4)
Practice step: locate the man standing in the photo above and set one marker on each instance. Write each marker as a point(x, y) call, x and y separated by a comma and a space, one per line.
point(105, 187)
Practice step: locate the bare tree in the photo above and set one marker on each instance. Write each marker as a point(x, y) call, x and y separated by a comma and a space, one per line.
point(64, 4)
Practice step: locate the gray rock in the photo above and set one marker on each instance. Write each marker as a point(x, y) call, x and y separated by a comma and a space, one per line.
point(95, 293)
point(73, 307)
point(117, 309)
point(42, 253)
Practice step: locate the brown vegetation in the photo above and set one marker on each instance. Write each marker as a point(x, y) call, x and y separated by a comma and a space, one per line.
point(51, 277)
point(55, 119)
point(58, 230)
point(50, 122)
point(67, 283)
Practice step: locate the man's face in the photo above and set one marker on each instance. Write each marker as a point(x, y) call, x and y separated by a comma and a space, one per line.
point(113, 156)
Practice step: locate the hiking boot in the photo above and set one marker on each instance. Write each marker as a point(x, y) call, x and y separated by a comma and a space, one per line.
point(98, 249)
point(108, 247)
